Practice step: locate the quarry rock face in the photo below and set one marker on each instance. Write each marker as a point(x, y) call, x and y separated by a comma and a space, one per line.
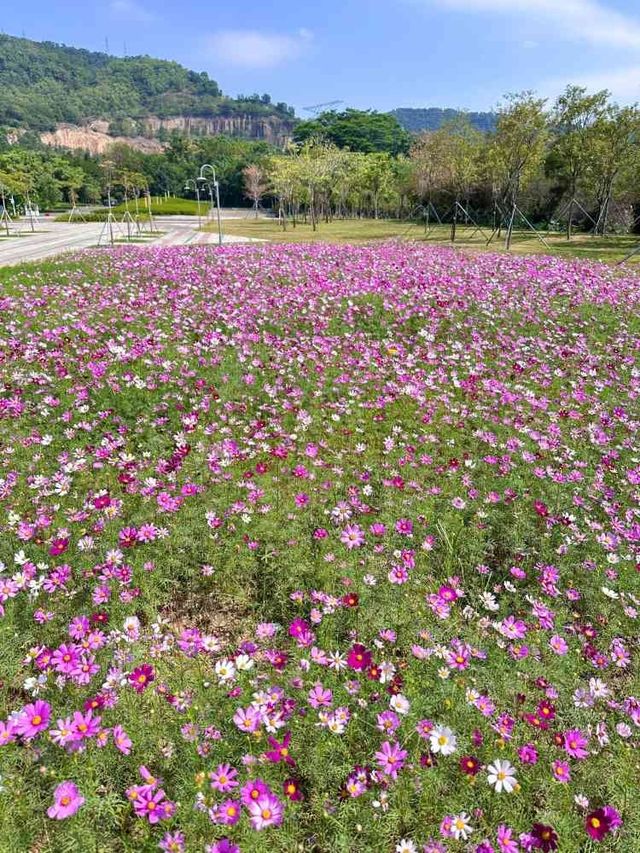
point(95, 141)
point(95, 138)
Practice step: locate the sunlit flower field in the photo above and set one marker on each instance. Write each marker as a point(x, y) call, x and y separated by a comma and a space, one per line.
point(319, 548)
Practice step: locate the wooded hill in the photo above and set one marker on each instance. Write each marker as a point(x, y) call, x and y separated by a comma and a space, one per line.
point(43, 84)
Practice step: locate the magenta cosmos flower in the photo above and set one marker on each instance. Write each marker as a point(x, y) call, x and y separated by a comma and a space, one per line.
point(280, 751)
point(66, 801)
point(575, 744)
point(141, 677)
point(359, 657)
point(224, 778)
point(601, 822)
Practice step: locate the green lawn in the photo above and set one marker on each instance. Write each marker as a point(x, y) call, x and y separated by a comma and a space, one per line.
point(612, 248)
point(159, 207)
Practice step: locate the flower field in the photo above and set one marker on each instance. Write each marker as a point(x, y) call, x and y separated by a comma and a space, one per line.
point(319, 548)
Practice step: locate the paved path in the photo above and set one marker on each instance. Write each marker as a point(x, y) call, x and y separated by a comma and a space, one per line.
point(52, 238)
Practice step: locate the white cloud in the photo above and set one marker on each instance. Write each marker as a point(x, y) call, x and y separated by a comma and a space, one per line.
point(128, 10)
point(575, 20)
point(256, 49)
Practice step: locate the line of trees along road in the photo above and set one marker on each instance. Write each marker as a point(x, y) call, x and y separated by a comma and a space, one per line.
point(576, 162)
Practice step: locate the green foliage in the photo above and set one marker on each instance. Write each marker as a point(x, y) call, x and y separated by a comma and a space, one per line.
point(358, 130)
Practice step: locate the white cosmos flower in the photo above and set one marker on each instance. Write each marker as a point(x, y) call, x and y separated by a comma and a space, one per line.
point(460, 826)
point(443, 740)
point(400, 704)
point(502, 776)
point(225, 670)
point(406, 845)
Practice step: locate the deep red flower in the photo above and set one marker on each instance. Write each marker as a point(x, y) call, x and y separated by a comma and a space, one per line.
point(469, 765)
point(291, 790)
point(544, 837)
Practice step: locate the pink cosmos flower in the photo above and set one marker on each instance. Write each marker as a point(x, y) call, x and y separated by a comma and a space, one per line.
point(153, 805)
point(173, 842)
point(7, 732)
point(506, 841)
point(252, 791)
point(561, 771)
point(320, 696)
point(85, 725)
point(247, 719)
point(224, 778)
point(64, 734)
point(227, 812)
point(66, 801)
point(122, 740)
point(33, 719)
point(266, 811)
point(390, 758)
point(352, 536)
point(575, 744)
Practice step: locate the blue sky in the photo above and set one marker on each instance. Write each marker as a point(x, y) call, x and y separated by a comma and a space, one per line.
point(367, 53)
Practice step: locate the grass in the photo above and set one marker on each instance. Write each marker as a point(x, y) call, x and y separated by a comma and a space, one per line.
point(159, 207)
point(612, 249)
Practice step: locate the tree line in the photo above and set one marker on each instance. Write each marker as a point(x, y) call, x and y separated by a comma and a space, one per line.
point(574, 163)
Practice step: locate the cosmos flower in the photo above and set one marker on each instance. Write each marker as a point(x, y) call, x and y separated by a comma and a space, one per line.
point(390, 758)
point(67, 799)
point(141, 677)
point(501, 775)
point(266, 811)
point(442, 740)
point(33, 719)
point(601, 822)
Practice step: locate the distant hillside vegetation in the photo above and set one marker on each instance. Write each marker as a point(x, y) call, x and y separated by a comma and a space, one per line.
point(43, 84)
point(431, 118)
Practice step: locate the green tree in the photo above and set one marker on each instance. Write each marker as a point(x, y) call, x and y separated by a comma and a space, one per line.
point(572, 151)
point(517, 149)
point(367, 131)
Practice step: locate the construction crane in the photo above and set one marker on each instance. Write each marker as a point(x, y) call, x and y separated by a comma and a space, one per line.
point(316, 109)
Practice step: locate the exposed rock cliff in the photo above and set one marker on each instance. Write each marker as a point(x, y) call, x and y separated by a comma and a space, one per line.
point(95, 137)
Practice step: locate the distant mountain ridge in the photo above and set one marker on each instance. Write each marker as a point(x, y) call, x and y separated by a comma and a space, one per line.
point(417, 120)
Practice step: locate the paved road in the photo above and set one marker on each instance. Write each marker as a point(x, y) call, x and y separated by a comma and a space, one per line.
point(52, 238)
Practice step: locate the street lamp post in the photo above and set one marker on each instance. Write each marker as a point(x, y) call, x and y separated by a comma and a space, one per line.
point(197, 189)
point(217, 189)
